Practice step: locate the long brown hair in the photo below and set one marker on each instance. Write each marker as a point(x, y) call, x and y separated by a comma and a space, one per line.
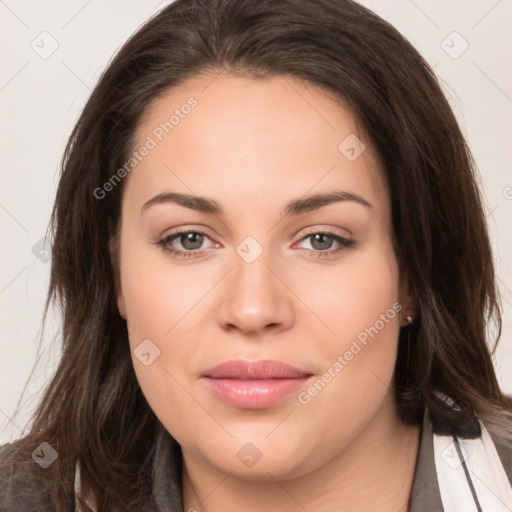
point(93, 407)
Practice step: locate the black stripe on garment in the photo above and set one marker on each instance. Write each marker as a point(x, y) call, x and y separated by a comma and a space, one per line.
point(466, 472)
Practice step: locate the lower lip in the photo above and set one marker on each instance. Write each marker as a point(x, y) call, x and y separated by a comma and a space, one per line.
point(253, 394)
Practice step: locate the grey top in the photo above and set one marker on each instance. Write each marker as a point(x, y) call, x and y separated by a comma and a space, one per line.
point(19, 493)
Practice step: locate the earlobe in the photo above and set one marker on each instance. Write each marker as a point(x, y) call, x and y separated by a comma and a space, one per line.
point(121, 305)
point(409, 304)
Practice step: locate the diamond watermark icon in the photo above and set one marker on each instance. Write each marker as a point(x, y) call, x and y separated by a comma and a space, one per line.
point(44, 455)
point(351, 147)
point(146, 352)
point(249, 249)
point(249, 455)
point(42, 250)
point(454, 45)
point(45, 45)
point(451, 456)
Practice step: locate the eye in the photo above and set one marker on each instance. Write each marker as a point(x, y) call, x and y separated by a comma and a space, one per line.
point(322, 242)
point(190, 240)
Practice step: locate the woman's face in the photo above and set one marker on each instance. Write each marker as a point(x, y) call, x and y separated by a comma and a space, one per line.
point(265, 274)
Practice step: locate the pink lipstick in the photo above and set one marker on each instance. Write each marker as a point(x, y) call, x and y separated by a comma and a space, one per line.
point(254, 385)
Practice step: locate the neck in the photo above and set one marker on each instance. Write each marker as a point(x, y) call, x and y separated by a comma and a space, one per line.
point(375, 472)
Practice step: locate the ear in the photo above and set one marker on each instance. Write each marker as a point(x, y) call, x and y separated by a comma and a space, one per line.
point(114, 250)
point(409, 302)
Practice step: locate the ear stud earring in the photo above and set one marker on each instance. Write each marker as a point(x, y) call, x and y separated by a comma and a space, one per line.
point(409, 318)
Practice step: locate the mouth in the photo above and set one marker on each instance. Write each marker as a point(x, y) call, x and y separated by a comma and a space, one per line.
point(254, 385)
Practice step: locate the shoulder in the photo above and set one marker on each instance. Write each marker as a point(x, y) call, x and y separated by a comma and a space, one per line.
point(24, 483)
point(426, 493)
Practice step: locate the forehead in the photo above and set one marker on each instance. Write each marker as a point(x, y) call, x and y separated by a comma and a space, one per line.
point(252, 139)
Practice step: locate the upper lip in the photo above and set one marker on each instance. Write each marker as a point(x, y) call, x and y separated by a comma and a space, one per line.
point(264, 369)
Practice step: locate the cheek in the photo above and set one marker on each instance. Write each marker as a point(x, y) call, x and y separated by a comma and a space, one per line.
point(357, 300)
point(359, 359)
point(361, 306)
point(158, 294)
point(158, 300)
point(160, 304)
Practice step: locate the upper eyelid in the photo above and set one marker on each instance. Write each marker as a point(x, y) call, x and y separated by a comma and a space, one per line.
point(327, 230)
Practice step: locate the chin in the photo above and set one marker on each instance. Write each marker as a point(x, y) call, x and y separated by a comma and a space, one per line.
point(260, 460)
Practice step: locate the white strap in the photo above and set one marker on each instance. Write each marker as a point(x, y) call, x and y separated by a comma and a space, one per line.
point(470, 474)
point(78, 491)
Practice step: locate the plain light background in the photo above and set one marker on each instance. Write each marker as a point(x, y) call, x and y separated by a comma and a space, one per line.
point(41, 96)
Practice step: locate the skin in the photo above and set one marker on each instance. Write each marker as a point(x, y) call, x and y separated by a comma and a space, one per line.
point(253, 146)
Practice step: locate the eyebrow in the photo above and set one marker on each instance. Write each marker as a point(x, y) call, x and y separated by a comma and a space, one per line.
point(295, 207)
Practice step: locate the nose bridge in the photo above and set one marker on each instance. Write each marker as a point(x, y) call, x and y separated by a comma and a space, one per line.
point(251, 270)
point(253, 297)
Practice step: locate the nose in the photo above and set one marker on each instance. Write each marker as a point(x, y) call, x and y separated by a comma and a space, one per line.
point(255, 297)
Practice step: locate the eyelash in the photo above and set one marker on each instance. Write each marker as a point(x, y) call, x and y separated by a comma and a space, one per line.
point(344, 244)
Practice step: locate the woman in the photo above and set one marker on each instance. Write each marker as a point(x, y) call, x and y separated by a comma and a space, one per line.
point(273, 299)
